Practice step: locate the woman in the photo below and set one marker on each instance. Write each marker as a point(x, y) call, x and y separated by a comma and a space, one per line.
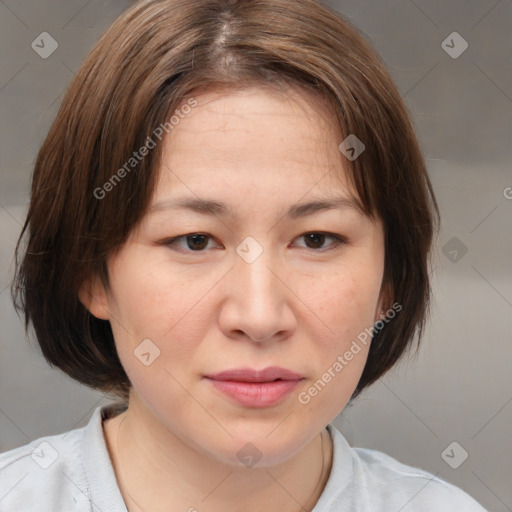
point(230, 229)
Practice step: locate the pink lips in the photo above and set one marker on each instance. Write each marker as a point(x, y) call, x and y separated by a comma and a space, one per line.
point(254, 388)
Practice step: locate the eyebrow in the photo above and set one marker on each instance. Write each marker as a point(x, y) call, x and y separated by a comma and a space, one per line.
point(212, 207)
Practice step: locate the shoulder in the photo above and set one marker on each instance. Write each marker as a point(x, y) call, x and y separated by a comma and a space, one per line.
point(56, 472)
point(38, 475)
point(410, 487)
point(70, 471)
point(376, 481)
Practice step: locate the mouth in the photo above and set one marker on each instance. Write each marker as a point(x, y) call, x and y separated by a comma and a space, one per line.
point(255, 388)
point(270, 374)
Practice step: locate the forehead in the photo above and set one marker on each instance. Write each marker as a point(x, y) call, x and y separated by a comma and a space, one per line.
point(254, 139)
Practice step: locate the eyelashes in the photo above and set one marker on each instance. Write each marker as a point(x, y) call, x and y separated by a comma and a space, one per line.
point(198, 242)
point(318, 237)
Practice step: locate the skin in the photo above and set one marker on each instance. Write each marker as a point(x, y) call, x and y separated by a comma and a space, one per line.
point(299, 305)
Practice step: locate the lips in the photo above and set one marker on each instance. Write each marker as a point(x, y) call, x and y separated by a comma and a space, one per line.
point(269, 374)
point(255, 388)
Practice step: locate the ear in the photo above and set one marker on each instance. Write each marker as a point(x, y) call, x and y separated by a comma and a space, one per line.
point(94, 298)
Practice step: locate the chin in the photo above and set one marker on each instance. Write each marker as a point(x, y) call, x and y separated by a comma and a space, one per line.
point(258, 449)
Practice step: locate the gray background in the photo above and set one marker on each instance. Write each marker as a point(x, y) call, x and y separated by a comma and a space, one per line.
point(460, 387)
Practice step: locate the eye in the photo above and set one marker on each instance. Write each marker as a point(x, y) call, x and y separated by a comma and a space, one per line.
point(315, 239)
point(195, 242)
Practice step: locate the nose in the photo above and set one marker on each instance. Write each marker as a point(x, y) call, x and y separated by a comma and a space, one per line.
point(258, 302)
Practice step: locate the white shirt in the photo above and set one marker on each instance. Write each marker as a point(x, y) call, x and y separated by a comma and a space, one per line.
point(73, 472)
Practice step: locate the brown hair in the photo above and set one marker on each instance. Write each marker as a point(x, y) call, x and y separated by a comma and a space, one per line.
point(157, 54)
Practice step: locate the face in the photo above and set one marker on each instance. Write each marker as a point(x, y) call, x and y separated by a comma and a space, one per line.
point(242, 283)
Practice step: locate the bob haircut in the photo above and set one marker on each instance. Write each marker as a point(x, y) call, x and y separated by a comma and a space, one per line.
point(154, 57)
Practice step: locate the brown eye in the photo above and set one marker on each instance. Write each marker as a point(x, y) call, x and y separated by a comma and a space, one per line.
point(195, 242)
point(315, 240)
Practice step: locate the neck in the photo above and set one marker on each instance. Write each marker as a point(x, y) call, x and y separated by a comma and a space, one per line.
point(170, 474)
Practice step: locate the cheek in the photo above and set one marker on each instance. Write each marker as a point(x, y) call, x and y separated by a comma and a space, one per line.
point(160, 322)
point(166, 307)
point(346, 313)
point(156, 300)
point(344, 301)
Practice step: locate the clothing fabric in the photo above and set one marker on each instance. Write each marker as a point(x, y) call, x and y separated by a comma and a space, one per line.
point(72, 472)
